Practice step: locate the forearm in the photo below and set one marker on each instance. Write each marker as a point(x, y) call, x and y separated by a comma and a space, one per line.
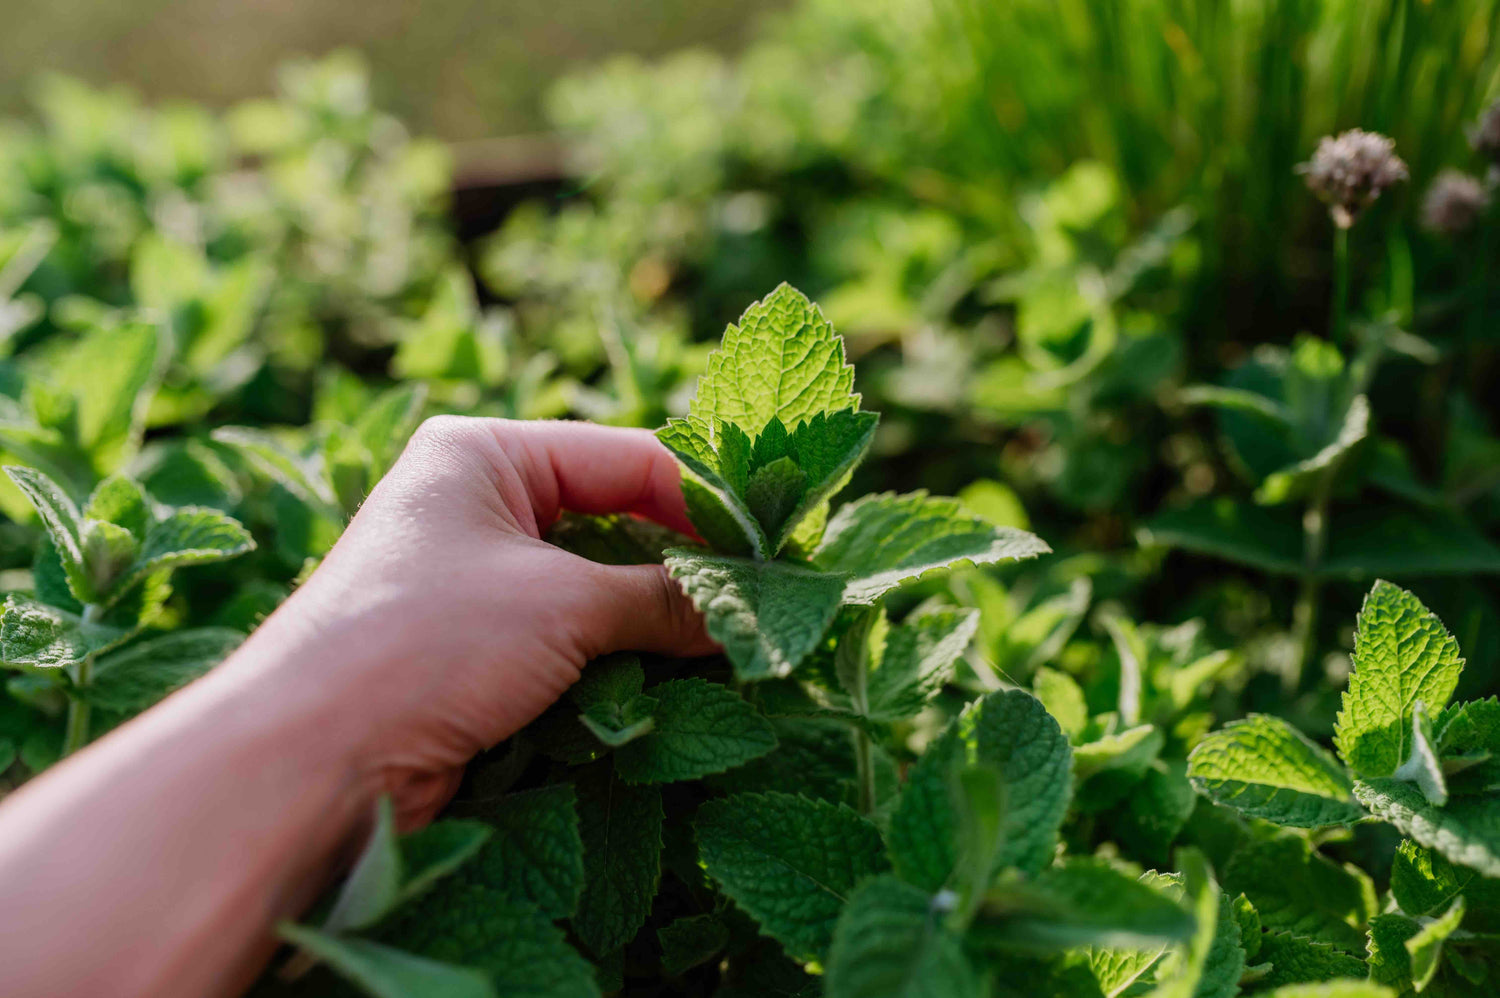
point(156, 861)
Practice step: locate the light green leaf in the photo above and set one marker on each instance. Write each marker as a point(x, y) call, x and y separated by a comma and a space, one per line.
point(1211, 963)
point(767, 615)
point(826, 447)
point(783, 360)
point(1468, 742)
point(620, 826)
point(110, 373)
point(108, 551)
point(700, 728)
point(790, 862)
point(1423, 882)
point(635, 723)
point(517, 947)
point(1333, 989)
point(1063, 698)
point(773, 491)
point(120, 501)
point(386, 972)
point(880, 541)
point(1402, 654)
point(373, 887)
point(1426, 947)
point(1265, 768)
point(1466, 831)
point(917, 661)
point(1422, 766)
point(1012, 732)
point(63, 522)
point(1130, 751)
point(892, 941)
point(132, 678)
point(45, 637)
point(1297, 479)
point(535, 854)
point(384, 425)
point(268, 456)
point(609, 695)
point(1389, 959)
point(1080, 902)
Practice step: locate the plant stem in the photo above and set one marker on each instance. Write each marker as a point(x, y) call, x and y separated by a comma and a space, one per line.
point(76, 736)
point(1337, 331)
point(1314, 541)
point(864, 763)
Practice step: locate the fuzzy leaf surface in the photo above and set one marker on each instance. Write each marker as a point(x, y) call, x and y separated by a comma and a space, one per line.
point(535, 853)
point(892, 942)
point(1466, 831)
point(132, 678)
point(699, 728)
point(620, 826)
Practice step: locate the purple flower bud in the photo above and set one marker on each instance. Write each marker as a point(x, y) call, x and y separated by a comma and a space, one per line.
point(1349, 172)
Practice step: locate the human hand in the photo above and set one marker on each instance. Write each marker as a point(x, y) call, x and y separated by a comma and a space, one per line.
point(442, 621)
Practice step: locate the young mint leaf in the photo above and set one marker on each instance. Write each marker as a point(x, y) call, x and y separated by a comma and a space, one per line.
point(373, 887)
point(880, 541)
point(108, 551)
point(1265, 768)
point(917, 661)
point(515, 946)
point(1063, 698)
point(384, 425)
point(1402, 654)
point(1296, 480)
point(187, 536)
point(64, 524)
point(1423, 882)
point(773, 492)
point(892, 941)
point(385, 972)
point(1130, 752)
point(134, 677)
point(699, 728)
point(1389, 959)
point(45, 637)
point(1011, 731)
point(1466, 831)
point(1422, 766)
point(790, 862)
point(620, 826)
point(1211, 963)
point(110, 374)
point(1298, 959)
point(535, 854)
point(1468, 742)
point(715, 484)
point(826, 448)
point(1080, 902)
point(1296, 889)
point(620, 726)
point(1118, 970)
point(267, 455)
point(783, 360)
point(690, 941)
point(1426, 946)
point(767, 615)
point(1347, 988)
point(120, 501)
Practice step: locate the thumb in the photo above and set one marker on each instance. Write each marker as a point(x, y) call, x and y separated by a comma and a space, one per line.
point(641, 608)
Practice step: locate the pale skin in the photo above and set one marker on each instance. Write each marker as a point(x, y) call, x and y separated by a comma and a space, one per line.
point(158, 860)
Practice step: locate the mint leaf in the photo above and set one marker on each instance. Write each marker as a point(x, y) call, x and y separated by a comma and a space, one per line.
point(515, 946)
point(783, 360)
point(63, 521)
point(384, 425)
point(134, 677)
point(373, 887)
point(120, 501)
point(1466, 831)
point(620, 826)
point(892, 941)
point(431, 853)
point(1424, 882)
point(690, 941)
point(535, 853)
point(1468, 743)
point(1333, 989)
point(791, 863)
point(880, 541)
point(1012, 732)
point(1080, 902)
point(110, 373)
point(1402, 654)
point(1296, 889)
point(267, 455)
point(917, 661)
point(1243, 533)
point(1265, 768)
point(1297, 959)
point(1213, 960)
point(699, 728)
point(187, 536)
point(1389, 959)
point(1426, 946)
point(45, 637)
point(773, 492)
point(386, 972)
point(1422, 766)
point(767, 615)
point(1296, 480)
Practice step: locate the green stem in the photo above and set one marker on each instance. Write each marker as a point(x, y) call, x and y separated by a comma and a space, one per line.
point(864, 762)
point(1337, 331)
point(76, 735)
point(1314, 542)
